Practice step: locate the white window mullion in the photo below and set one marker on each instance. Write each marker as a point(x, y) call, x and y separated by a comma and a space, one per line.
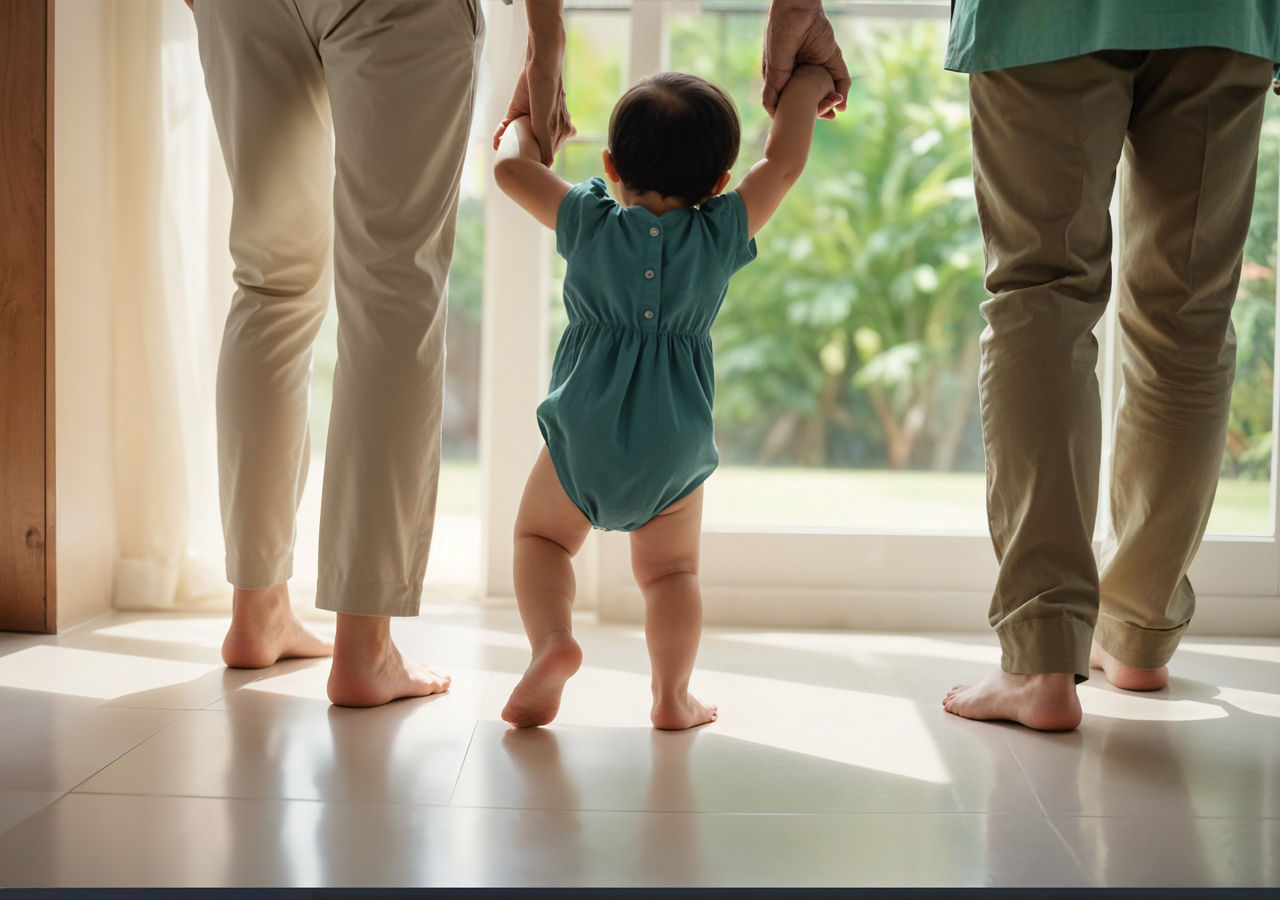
point(1275, 448)
point(649, 52)
point(514, 365)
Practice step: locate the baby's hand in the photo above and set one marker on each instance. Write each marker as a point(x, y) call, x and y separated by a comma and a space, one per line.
point(817, 81)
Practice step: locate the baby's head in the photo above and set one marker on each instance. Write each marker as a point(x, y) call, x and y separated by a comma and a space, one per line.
point(674, 134)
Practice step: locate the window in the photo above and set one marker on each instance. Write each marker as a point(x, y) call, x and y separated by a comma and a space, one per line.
point(851, 489)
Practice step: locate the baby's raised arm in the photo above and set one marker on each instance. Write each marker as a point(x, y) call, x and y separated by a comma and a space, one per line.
point(521, 175)
point(787, 147)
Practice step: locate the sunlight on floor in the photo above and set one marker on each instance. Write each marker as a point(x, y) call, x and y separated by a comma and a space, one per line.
point(1152, 708)
point(866, 648)
point(782, 714)
point(305, 682)
point(910, 752)
point(94, 674)
point(202, 631)
point(1260, 703)
point(1258, 653)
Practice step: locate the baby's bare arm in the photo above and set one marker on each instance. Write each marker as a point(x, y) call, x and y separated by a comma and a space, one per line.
point(521, 175)
point(787, 148)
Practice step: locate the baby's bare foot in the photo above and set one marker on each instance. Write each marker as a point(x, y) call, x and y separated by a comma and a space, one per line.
point(536, 699)
point(1042, 702)
point(264, 629)
point(1130, 678)
point(673, 714)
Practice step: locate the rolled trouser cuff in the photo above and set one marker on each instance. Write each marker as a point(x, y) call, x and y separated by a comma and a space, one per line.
point(1133, 645)
point(1045, 646)
point(248, 573)
point(367, 598)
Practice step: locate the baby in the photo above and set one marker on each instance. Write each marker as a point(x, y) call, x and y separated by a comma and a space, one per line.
point(627, 420)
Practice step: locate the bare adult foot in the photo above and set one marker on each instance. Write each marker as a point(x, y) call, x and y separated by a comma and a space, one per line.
point(369, 669)
point(1131, 678)
point(265, 629)
point(536, 699)
point(1042, 702)
point(674, 714)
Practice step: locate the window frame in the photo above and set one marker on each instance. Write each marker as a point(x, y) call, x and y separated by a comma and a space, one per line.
point(790, 577)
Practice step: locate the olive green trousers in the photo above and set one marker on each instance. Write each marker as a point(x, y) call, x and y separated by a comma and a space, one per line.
point(1047, 141)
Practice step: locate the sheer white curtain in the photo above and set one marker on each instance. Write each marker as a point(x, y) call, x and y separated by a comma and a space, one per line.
point(171, 288)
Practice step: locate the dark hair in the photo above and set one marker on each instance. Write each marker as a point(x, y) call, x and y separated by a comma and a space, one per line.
point(675, 134)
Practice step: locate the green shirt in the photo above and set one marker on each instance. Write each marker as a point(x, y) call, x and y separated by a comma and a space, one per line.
point(1001, 34)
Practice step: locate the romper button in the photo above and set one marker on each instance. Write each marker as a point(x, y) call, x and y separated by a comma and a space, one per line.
point(648, 314)
point(653, 232)
point(648, 273)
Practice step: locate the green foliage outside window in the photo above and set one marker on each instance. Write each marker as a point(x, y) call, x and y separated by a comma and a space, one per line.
point(852, 341)
point(1248, 453)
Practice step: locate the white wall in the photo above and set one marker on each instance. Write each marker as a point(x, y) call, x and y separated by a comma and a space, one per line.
point(83, 235)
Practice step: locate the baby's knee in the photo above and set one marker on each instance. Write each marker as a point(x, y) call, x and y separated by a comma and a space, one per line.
point(535, 539)
point(649, 577)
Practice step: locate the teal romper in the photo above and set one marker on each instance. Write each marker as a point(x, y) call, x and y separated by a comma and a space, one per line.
point(627, 419)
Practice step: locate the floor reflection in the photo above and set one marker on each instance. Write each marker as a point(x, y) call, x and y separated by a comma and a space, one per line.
point(832, 764)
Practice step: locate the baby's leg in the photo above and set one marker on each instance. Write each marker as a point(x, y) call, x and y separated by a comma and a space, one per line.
point(664, 558)
point(549, 531)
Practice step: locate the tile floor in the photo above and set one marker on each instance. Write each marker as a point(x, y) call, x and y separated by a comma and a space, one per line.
point(130, 757)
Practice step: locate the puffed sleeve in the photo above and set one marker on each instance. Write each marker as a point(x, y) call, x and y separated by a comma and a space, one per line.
point(726, 218)
point(581, 214)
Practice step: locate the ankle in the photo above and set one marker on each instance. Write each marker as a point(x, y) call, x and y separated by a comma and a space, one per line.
point(259, 603)
point(1052, 678)
point(363, 635)
point(552, 639)
point(666, 695)
point(1051, 682)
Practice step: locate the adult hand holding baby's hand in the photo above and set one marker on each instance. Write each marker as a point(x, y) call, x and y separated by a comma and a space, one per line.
point(545, 106)
point(539, 92)
point(799, 33)
point(818, 80)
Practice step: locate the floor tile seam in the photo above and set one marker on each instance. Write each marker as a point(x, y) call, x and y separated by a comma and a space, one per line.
point(254, 680)
point(1081, 868)
point(260, 798)
point(160, 708)
point(1026, 778)
point(28, 816)
point(219, 797)
point(752, 812)
point(1162, 818)
point(548, 809)
point(150, 736)
point(291, 711)
point(475, 726)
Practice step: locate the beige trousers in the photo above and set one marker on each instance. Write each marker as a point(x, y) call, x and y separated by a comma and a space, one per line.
point(382, 91)
point(1046, 143)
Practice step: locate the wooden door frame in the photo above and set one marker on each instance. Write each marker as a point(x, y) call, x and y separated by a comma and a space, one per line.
point(28, 499)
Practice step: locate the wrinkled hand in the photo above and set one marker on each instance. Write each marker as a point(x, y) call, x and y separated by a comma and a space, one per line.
point(798, 33)
point(539, 94)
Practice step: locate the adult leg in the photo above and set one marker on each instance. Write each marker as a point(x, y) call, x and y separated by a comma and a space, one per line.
point(664, 560)
point(401, 79)
point(550, 530)
point(1186, 198)
point(1046, 141)
point(266, 90)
